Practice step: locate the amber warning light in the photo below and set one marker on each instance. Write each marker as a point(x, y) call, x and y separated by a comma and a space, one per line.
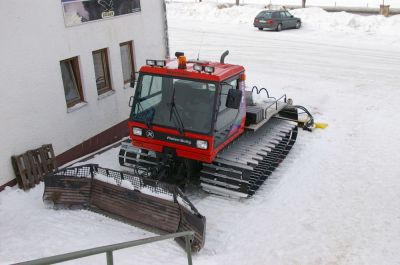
point(181, 62)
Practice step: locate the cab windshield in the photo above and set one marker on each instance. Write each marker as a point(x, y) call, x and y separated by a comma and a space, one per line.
point(186, 105)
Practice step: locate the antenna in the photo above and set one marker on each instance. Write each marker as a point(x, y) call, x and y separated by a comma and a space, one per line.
point(201, 44)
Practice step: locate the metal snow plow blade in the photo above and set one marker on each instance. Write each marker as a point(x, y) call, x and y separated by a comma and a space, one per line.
point(242, 167)
point(156, 205)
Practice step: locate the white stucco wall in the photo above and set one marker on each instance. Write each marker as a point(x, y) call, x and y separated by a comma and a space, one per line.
point(33, 41)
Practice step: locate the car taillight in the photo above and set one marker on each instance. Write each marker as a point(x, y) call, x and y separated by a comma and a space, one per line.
point(269, 21)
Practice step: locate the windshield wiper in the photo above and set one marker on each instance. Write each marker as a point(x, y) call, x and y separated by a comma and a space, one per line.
point(174, 110)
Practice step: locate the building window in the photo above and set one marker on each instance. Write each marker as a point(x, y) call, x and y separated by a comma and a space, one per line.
point(71, 81)
point(102, 71)
point(128, 67)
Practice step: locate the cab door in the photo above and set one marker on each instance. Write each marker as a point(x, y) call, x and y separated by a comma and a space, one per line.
point(225, 117)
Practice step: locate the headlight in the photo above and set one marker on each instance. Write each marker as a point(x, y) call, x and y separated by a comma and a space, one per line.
point(161, 63)
point(209, 69)
point(151, 62)
point(198, 67)
point(137, 131)
point(202, 144)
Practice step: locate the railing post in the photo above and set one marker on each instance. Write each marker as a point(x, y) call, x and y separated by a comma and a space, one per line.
point(110, 260)
point(188, 249)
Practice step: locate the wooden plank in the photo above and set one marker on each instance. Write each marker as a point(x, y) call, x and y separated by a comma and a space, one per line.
point(135, 206)
point(129, 206)
point(137, 215)
point(23, 171)
point(48, 161)
point(152, 208)
point(31, 166)
point(67, 191)
point(34, 161)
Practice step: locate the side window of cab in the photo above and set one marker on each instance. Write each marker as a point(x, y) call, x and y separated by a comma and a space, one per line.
point(225, 116)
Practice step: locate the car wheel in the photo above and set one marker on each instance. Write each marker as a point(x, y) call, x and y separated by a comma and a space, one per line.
point(260, 28)
point(279, 27)
point(298, 24)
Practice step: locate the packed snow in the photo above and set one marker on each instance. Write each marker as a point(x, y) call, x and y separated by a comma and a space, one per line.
point(334, 200)
point(313, 18)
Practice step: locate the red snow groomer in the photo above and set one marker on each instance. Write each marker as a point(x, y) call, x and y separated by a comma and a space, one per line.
point(194, 121)
point(190, 122)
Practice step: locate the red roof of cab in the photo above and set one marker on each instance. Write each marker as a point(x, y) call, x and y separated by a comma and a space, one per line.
point(221, 73)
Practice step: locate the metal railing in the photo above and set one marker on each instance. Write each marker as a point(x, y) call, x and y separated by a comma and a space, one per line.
point(110, 248)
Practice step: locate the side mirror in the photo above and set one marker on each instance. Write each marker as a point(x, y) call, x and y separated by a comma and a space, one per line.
point(133, 81)
point(234, 98)
point(131, 101)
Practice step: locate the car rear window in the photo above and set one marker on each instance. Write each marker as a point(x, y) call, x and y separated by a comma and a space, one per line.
point(264, 14)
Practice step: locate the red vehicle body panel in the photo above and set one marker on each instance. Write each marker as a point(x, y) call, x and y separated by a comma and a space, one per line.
point(221, 73)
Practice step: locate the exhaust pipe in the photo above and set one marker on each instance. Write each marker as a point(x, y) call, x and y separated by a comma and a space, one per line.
point(222, 60)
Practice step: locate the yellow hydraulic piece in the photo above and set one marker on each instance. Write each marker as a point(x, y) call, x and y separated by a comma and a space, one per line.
point(320, 125)
point(308, 122)
point(316, 125)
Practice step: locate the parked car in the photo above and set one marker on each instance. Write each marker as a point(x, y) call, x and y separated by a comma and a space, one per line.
point(276, 20)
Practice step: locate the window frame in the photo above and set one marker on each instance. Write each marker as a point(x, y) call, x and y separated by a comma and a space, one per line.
point(219, 129)
point(106, 71)
point(220, 104)
point(132, 61)
point(220, 94)
point(73, 67)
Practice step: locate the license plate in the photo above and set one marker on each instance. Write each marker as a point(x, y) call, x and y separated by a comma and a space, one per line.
point(262, 21)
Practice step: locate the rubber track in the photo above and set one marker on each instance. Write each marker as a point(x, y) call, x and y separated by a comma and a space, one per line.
point(242, 167)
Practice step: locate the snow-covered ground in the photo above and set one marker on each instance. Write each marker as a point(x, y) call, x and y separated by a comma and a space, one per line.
point(334, 200)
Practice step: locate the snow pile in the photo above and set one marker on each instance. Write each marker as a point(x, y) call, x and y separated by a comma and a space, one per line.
point(314, 18)
point(213, 12)
point(319, 19)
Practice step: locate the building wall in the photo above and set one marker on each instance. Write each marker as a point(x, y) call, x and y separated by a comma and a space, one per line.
point(34, 40)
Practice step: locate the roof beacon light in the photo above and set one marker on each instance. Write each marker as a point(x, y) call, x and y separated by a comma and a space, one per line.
point(198, 67)
point(181, 62)
point(161, 63)
point(209, 69)
point(151, 62)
